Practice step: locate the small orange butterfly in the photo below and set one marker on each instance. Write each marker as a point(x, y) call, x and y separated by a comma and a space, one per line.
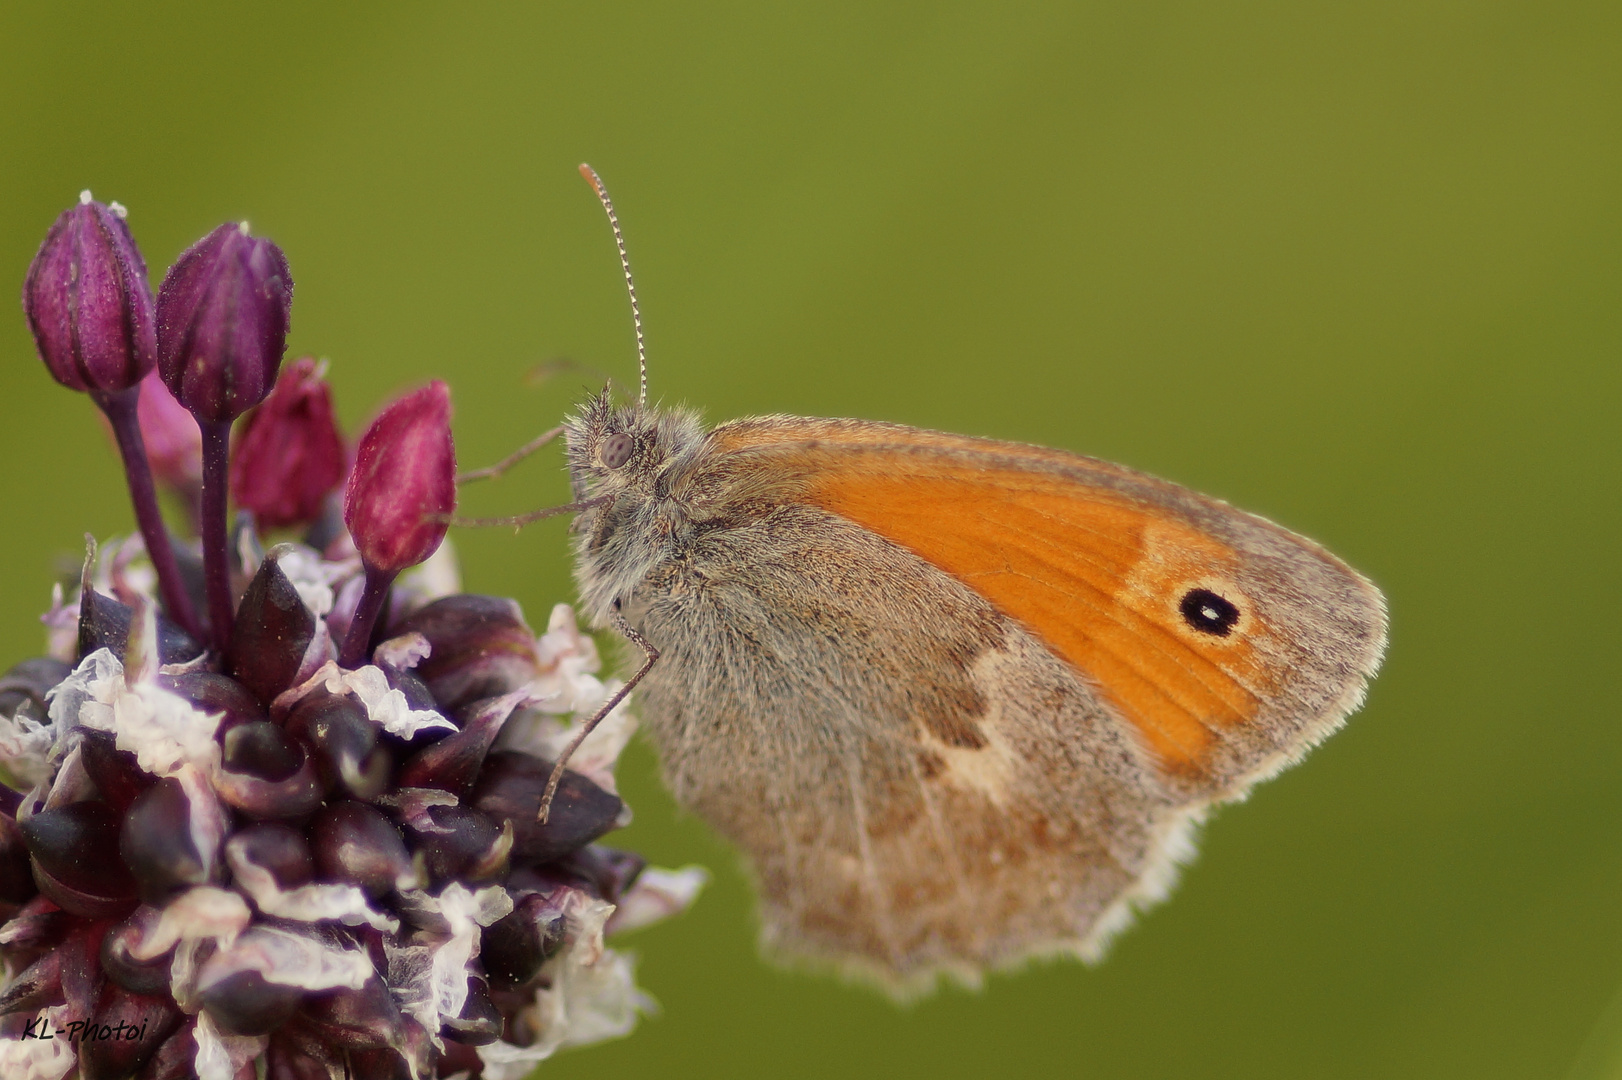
point(960, 702)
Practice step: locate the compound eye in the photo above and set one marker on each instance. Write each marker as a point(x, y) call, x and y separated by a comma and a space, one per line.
point(616, 450)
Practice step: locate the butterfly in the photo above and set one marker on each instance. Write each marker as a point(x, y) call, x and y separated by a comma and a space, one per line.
point(959, 702)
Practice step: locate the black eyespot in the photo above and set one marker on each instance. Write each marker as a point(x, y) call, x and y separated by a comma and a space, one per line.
point(1209, 613)
point(616, 450)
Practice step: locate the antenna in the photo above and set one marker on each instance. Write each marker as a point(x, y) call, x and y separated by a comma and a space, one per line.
point(596, 183)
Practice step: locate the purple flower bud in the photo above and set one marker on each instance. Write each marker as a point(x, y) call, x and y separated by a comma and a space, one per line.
point(279, 849)
point(223, 312)
point(118, 958)
point(479, 1022)
point(244, 1003)
point(124, 1014)
point(464, 844)
point(356, 845)
point(35, 986)
point(174, 442)
point(404, 477)
point(510, 789)
point(171, 838)
point(481, 647)
point(16, 883)
point(515, 946)
point(104, 623)
point(75, 857)
point(364, 1019)
point(116, 774)
point(88, 302)
point(289, 454)
point(273, 628)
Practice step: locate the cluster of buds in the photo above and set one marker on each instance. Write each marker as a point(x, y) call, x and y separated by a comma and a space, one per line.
point(273, 813)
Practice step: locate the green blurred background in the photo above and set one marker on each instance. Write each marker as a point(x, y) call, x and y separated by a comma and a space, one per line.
point(1354, 267)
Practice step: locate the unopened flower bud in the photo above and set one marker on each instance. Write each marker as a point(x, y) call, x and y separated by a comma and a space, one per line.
point(136, 1024)
point(171, 837)
point(223, 312)
point(88, 302)
point(404, 480)
point(481, 647)
point(273, 629)
point(356, 845)
point(289, 454)
point(174, 442)
point(510, 789)
point(75, 859)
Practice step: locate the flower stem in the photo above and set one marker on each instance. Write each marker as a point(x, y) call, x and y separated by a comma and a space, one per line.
point(216, 567)
point(357, 643)
point(119, 408)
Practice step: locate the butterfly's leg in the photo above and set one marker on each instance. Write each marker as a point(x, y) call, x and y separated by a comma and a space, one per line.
point(635, 638)
point(518, 521)
point(490, 472)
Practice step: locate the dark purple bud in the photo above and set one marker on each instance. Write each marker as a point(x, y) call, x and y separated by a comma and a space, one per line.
point(465, 845)
point(452, 764)
point(216, 694)
point(81, 968)
point(263, 750)
point(510, 789)
point(130, 1029)
point(174, 442)
point(36, 986)
point(169, 843)
point(481, 648)
point(244, 1003)
point(409, 683)
point(296, 1053)
point(345, 743)
point(278, 848)
point(223, 312)
point(289, 453)
point(364, 1019)
point(88, 302)
point(355, 844)
point(514, 947)
point(104, 623)
point(176, 1058)
point(388, 1065)
point(479, 1023)
point(76, 861)
point(262, 788)
point(115, 772)
point(16, 880)
point(273, 628)
point(404, 478)
point(28, 681)
point(39, 924)
point(118, 958)
point(608, 871)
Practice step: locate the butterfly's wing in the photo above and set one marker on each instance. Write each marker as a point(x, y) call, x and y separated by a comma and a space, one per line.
point(960, 700)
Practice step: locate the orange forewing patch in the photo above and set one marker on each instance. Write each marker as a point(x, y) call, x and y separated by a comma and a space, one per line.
point(1096, 575)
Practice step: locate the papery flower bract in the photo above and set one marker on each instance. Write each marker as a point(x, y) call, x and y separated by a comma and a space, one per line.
point(289, 454)
point(88, 302)
point(223, 314)
point(403, 481)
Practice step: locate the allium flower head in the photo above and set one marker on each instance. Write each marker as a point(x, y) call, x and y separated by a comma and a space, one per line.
point(274, 858)
point(88, 302)
point(223, 313)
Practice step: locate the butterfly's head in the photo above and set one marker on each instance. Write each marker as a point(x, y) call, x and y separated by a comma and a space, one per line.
point(627, 450)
